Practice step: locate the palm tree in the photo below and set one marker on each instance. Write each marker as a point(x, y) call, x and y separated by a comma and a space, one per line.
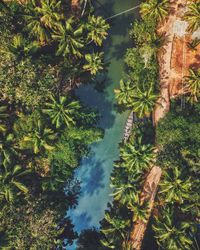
point(35, 26)
point(137, 156)
point(170, 233)
point(155, 9)
point(174, 187)
point(50, 12)
point(3, 115)
point(193, 85)
point(143, 102)
point(124, 94)
point(61, 111)
point(20, 48)
point(97, 29)
point(138, 208)
point(115, 226)
point(193, 16)
point(69, 39)
point(123, 191)
point(94, 63)
point(10, 183)
point(40, 138)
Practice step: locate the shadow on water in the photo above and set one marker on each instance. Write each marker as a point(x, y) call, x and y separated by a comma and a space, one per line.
point(94, 180)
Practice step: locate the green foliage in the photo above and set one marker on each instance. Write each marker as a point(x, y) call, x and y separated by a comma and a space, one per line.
point(97, 29)
point(61, 111)
point(193, 85)
point(44, 130)
point(94, 63)
point(192, 15)
point(171, 233)
point(154, 9)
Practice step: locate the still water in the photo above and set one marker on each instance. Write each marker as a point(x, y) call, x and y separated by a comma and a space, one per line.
point(94, 171)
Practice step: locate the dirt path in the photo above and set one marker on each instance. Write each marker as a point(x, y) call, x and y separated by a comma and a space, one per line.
point(164, 59)
point(148, 194)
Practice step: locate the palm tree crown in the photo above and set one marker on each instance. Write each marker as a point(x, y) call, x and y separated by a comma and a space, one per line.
point(97, 28)
point(69, 39)
point(193, 16)
point(61, 111)
point(193, 85)
point(155, 9)
point(94, 63)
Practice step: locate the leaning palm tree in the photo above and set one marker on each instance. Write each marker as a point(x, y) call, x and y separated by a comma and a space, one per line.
point(193, 85)
point(143, 102)
point(97, 29)
point(124, 94)
point(61, 111)
point(69, 39)
point(170, 233)
point(10, 182)
point(155, 9)
point(94, 63)
point(193, 16)
point(40, 138)
point(137, 156)
point(174, 188)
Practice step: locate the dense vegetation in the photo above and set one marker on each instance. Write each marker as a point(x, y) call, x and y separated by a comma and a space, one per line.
point(46, 50)
point(175, 216)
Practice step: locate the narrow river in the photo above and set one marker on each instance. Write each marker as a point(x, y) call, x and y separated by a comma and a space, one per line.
point(94, 171)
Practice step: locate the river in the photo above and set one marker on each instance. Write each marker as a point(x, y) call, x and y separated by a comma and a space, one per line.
point(94, 171)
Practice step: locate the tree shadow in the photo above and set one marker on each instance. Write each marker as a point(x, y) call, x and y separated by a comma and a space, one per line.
point(94, 179)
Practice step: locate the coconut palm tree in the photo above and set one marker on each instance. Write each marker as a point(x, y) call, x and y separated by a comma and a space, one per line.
point(137, 156)
point(170, 233)
point(43, 18)
point(115, 226)
point(175, 188)
point(69, 37)
point(40, 138)
point(193, 85)
point(50, 12)
point(155, 9)
point(97, 29)
point(124, 94)
point(143, 102)
point(123, 191)
point(193, 16)
point(61, 111)
point(10, 182)
point(35, 26)
point(138, 209)
point(94, 63)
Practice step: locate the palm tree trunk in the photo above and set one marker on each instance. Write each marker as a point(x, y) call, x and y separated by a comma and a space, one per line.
point(148, 194)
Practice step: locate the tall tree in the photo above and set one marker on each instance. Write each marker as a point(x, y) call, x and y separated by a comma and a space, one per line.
point(155, 9)
point(70, 39)
point(97, 29)
point(10, 182)
point(61, 111)
point(94, 63)
point(193, 16)
point(174, 187)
